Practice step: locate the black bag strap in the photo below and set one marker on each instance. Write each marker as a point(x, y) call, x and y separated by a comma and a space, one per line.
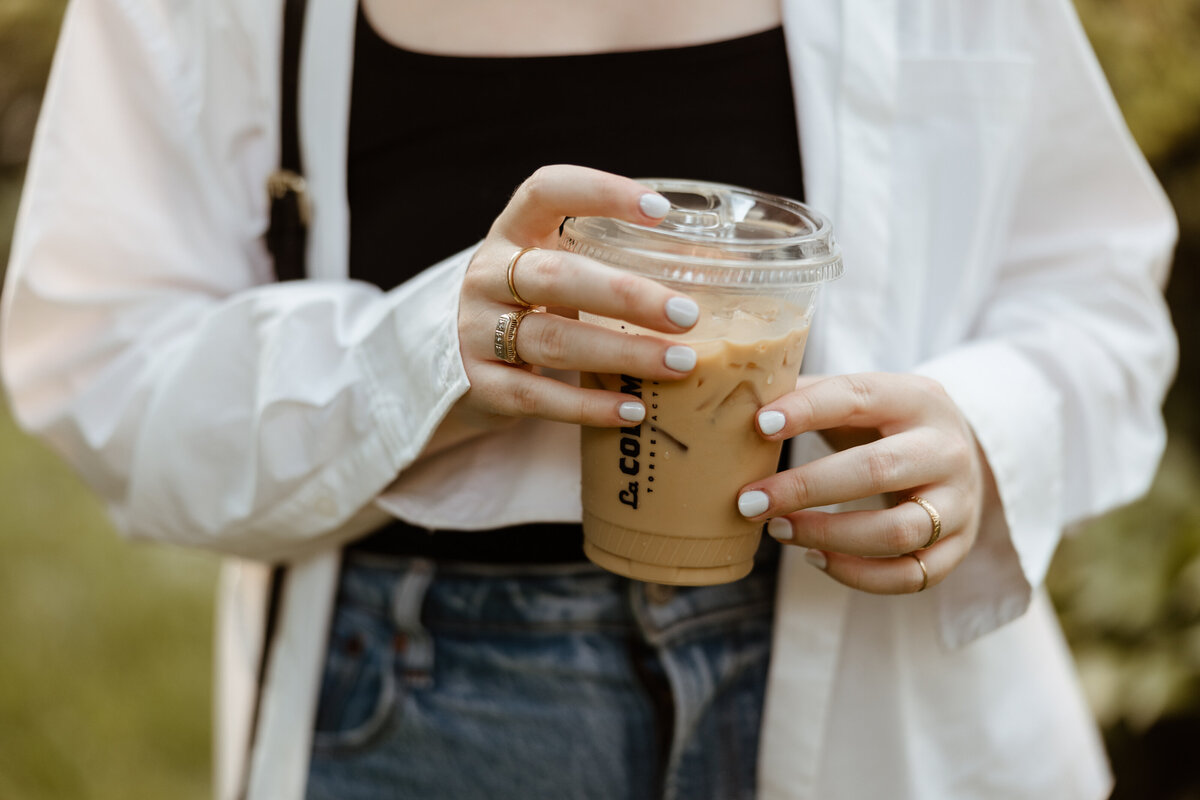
point(291, 206)
point(287, 240)
point(291, 221)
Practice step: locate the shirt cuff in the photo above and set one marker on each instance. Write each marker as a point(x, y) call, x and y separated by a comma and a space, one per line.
point(1015, 413)
point(414, 363)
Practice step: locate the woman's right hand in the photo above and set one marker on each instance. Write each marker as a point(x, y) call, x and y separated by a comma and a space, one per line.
point(566, 283)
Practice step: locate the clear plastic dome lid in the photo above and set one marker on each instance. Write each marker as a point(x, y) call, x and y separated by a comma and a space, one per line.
point(716, 235)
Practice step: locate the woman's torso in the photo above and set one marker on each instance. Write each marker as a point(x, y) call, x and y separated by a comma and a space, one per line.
point(439, 142)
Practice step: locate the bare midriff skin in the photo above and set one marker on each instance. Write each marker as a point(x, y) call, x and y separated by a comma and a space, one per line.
point(660, 498)
point(552, 27)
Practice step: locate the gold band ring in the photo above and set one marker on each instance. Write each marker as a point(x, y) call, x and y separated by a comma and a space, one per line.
point(924, 572)
point(505, 340)
point(512, 287)
point(934, 517)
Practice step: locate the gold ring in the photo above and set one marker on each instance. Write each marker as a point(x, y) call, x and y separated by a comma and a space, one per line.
point(934, 517)
point(924, 572)
point(512, 287)
point(505, 340)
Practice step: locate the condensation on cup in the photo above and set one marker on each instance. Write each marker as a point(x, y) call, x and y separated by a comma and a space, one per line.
point(660, 498)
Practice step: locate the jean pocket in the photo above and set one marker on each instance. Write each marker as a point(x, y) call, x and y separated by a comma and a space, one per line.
point(359, 689)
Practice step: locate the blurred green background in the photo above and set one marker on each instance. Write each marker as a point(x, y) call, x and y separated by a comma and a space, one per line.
point(105, 663)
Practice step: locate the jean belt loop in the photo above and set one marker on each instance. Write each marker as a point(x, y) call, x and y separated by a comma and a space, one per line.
point(408, 599)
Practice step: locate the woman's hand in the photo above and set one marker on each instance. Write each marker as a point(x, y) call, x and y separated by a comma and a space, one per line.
point(924, 448)
point(566, 284)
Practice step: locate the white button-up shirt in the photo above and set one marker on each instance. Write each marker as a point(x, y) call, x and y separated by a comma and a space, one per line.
point(1001, 234)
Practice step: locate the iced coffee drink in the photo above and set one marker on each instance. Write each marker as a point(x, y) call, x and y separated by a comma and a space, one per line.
point(660, 497)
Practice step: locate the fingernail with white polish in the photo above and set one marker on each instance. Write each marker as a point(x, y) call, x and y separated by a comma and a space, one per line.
point(770, 422)
point(683, 311)
point(816, 558)
point(780, 529)
point(654, 205)
point(632, 412)
point(680, 358)
point(751, 504)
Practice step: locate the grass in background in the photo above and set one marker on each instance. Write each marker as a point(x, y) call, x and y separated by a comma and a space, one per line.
point(105, 666)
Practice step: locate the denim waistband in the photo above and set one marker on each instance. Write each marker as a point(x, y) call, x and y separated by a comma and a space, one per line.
point(545, 597)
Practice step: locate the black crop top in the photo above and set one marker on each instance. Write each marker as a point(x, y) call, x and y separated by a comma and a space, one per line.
point(437, 145)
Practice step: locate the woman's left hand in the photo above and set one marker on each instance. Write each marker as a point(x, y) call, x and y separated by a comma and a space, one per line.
point(923, 448)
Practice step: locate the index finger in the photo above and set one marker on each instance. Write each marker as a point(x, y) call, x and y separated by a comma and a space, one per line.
point(553, 193)
point(558, 278)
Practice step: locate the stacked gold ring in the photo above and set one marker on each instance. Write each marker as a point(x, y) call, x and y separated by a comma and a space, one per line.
point(934, 517)
point(924, 572)
point(512, 287)
point(505, 340)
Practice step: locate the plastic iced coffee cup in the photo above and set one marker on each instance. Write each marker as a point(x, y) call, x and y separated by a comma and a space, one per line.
point(660, 498)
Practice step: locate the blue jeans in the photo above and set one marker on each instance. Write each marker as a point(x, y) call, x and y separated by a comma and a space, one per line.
point(448, 680)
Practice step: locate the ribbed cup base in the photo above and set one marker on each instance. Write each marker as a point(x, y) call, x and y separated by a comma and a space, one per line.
point(676, 560)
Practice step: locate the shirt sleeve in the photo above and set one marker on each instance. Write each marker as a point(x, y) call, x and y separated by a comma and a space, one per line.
point(1064, 378)
point(142, 335)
